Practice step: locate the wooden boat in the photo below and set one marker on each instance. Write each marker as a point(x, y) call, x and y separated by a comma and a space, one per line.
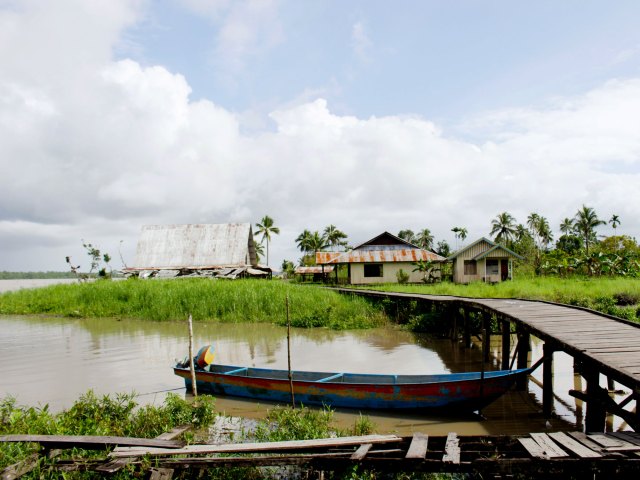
point(448, 392)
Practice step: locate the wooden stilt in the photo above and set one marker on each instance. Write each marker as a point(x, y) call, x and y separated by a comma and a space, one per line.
point(455, 313)
point(523, 357)
point(547, 379)
point(506, 344)
point(194, 388)
point(596, 414)
point(486, 337)
point(466, 322)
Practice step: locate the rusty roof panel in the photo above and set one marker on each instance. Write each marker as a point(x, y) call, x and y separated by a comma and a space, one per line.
point(194, 245)
point(377, 256)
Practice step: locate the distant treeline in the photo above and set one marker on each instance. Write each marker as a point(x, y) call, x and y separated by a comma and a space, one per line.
point(29, 275)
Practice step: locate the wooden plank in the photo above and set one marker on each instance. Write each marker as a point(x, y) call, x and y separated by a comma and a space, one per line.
point(534, 449)
point(452, 449)
point(627, 437)
point(254, 447)
point(20, 468)
point(362, 451)
point(573, 445)
point(115, 465)
point(174, 433)
point(418, 446)
point(90, 441)
point(160, 473)
point(583, 439)
point(549, 446)
point(612, 444)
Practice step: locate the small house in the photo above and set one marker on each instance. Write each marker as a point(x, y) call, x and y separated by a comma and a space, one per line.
point(216, 250)
point(483, 260)
point(314, 273)
point(379, 260)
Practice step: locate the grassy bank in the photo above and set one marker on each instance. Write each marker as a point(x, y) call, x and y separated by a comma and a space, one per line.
point(617, 296)
point(206, 300)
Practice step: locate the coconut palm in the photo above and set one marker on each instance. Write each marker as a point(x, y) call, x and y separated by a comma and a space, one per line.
point(407, 235)
point(259, 250)
point(567, 226)
point(614, 221)
point(503, 227)
point(303, 241)
point(586, 221)
point(425, 239)
point(266, 228)
point(334, 237)
point(317, 242)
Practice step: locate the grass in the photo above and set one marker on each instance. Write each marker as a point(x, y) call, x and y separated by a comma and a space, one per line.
point(617, 296)
point(206, 300)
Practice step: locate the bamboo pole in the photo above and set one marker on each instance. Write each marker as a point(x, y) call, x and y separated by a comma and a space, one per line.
point(293, 399)
point(194, 388)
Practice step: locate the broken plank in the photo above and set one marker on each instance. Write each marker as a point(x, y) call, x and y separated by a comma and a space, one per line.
point(612, 444)
point(573, 445)
point(255, 447)
point(20, 468)
point(549, 446)
point(173, 433)
point(89, 442)
point(418, 447)
point(362, 451)
point(452, 449)
point(115, 465)
point(534, 449)
point(160, 473)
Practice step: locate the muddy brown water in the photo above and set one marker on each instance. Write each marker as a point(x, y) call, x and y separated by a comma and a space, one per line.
point(45, 360)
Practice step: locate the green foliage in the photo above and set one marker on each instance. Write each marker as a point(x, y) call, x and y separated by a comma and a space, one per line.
point(93, 415)
point(247, 300)
point(402, 276)
point(34, 275)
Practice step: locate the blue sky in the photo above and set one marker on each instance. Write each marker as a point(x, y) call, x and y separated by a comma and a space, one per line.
point(370, 115)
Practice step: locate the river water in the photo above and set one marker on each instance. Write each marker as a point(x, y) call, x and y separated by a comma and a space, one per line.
point(51, 360)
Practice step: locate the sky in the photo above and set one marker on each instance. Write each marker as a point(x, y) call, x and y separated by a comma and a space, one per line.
point(366, 114)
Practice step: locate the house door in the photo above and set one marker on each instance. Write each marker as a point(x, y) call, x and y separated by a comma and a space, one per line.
point(504, 269)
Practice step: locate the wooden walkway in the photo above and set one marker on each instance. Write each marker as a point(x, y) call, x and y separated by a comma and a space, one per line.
point(599, 344)
point(537, 455)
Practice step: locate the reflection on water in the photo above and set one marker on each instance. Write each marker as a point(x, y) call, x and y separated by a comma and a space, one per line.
point(54, 360)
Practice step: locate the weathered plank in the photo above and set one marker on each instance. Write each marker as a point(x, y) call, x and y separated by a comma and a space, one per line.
point(452, 449)
point(115, 465)
point(630, 437)
point(418, 446)
point(612, 444)
point(90, 441)
point(550, 447)
point(534, 449)
point(174, 433)
point(255, 447)
point(160, 473)
point(362, 451)
point(20, 468)
point(573, 445)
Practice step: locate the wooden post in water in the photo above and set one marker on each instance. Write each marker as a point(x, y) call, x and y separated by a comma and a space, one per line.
point(486, 337)
point(547, 379)
point(523, 357)
point(596, 413)
point(506, 344)
point(194, 388)
point(466, 328)
point(293, 399)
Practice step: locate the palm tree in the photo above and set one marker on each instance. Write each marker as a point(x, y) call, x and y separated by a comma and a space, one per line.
point(334, 236)
point(614, 221)
point(567, 226)
point(503, 227)
point(317, 242)
point(586, 221)
point(303, 241)
point(259, 250)
point(425, 239)
point(266, 228)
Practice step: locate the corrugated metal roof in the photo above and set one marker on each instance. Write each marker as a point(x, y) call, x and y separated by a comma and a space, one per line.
point(377, 256)
point(483, 250)
point(195, 246)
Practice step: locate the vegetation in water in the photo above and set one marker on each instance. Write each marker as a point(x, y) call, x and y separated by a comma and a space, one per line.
point(205, 299)
point(118, 415)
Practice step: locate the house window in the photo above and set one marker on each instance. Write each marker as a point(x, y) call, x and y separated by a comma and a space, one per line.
point(492, 267)
point(470, 267)
point(373, 270)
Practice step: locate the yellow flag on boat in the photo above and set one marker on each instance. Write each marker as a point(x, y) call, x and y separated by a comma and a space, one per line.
point(205, 356)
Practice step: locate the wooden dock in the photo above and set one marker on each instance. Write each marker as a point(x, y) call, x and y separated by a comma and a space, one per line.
point(537, 455)
point(601, 345)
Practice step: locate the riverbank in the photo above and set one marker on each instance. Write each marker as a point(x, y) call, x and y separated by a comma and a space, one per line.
point(616, 296)
point(206, 300)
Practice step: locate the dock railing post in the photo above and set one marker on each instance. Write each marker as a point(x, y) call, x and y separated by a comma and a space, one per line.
point(194, 388)
point(596, 413)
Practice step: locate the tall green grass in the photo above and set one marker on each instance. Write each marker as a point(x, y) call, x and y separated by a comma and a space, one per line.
point(204, 299)
point(617, 296)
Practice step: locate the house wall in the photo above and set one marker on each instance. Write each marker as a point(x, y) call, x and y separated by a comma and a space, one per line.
point(389, 271)
point(460, 277)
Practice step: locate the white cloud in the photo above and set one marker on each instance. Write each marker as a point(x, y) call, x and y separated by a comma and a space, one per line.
point(94, 152)
point(361, 43)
